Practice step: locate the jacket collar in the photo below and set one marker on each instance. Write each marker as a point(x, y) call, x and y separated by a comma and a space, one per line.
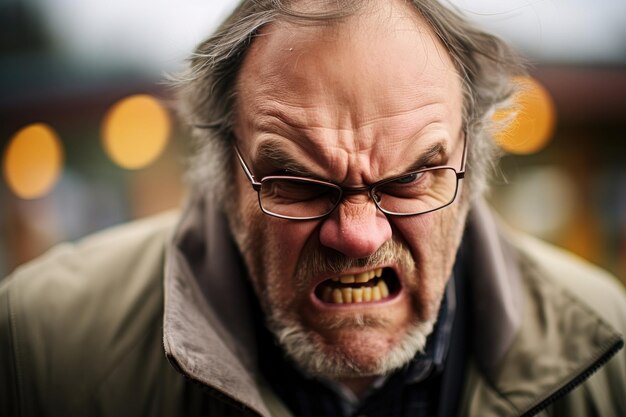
point(207, 326)
point(495, 289)
point(555, 342)
point(207, 333)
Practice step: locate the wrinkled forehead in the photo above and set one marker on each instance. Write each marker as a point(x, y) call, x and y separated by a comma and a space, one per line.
point(376, 34)
point(372, 79)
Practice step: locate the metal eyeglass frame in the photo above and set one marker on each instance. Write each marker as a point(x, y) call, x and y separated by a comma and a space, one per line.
point(256, 185)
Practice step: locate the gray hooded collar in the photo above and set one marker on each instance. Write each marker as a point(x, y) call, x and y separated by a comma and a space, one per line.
point(495, 287)
point(208, 332)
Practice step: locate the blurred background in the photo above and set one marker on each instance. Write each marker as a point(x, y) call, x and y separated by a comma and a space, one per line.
point(88, 139)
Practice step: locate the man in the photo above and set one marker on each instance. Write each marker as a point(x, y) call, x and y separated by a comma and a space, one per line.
point(335, 258)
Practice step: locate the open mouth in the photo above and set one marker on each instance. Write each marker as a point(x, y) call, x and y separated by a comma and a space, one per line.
point(366, 287)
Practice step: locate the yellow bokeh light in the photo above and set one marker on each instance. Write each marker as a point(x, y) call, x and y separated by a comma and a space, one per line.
point(528, 125)
point(33, 161)
point(135, 131)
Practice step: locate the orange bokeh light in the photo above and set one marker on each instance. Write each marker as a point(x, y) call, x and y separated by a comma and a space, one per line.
point(33, 161)
point(135, 131)
point(528, 124)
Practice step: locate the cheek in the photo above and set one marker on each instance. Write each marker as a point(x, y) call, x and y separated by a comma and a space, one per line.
point(435, 235)
point(433, 241)
point(280, 246)
point(284, 242)
point(421, 233)
point(270, 246)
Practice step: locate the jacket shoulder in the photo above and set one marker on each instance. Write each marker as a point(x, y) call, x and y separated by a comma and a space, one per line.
point(113, 261)
point(601, 295)
point(69, 317)
point(591, 285)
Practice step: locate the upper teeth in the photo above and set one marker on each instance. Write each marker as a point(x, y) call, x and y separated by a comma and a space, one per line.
point(360, 278)
point(348, 295)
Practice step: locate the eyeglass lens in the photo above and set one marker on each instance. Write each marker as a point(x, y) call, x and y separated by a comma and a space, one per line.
point(412, 193)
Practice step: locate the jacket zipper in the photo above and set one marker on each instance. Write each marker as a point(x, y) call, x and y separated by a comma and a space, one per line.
point(579, 379)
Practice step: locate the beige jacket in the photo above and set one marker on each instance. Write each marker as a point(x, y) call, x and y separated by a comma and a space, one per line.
point(85, 329)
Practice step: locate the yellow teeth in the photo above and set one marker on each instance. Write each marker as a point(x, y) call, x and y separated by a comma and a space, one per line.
point(359, 278)
point(350, 295)
point(376, 294)
point(346, 293)
point(348, 279)
point(384, 291)
point(363, 277)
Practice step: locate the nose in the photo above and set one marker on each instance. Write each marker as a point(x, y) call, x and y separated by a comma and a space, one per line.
point(356, 228)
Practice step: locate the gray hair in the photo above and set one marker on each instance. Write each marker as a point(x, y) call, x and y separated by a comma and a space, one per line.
point(206, 91)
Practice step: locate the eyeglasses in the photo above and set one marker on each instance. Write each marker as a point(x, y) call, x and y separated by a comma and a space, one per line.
point(408, 194)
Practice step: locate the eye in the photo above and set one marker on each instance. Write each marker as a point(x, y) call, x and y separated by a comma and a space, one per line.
point(295, 191)
point(298, 197)
point(408, 179)
point(410, 185)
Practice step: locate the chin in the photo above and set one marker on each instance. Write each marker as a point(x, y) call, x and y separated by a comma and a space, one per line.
point(353, 351)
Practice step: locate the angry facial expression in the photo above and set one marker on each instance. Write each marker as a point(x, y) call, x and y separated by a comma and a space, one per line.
point(354, 294)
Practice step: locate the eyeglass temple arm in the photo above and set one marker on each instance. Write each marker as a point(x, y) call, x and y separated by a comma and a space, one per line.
point(256, 185)
point(461, 173)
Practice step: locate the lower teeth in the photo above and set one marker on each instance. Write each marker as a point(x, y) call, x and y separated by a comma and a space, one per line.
point(350, 295)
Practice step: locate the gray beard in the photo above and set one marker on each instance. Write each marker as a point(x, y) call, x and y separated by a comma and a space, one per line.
point(307, 353)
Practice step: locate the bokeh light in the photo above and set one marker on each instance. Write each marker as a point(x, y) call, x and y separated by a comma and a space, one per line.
point(33, 161)
point(542, 201)
point(135, 131)
point(527, 125)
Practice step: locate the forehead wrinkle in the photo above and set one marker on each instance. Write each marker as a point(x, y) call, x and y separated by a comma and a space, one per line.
point(314, 139)
point(345, 151)
point(295, 116)
point(357, 127)
point(334, 156)
point(297, 112)
point(296, 120)
point(430, 112)
point(310, 130)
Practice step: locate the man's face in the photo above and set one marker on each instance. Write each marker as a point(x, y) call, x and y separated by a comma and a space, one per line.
point(352, 103)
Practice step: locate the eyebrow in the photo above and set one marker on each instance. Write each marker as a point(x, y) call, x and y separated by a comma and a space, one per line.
point(272, 153)
point(431, 154)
